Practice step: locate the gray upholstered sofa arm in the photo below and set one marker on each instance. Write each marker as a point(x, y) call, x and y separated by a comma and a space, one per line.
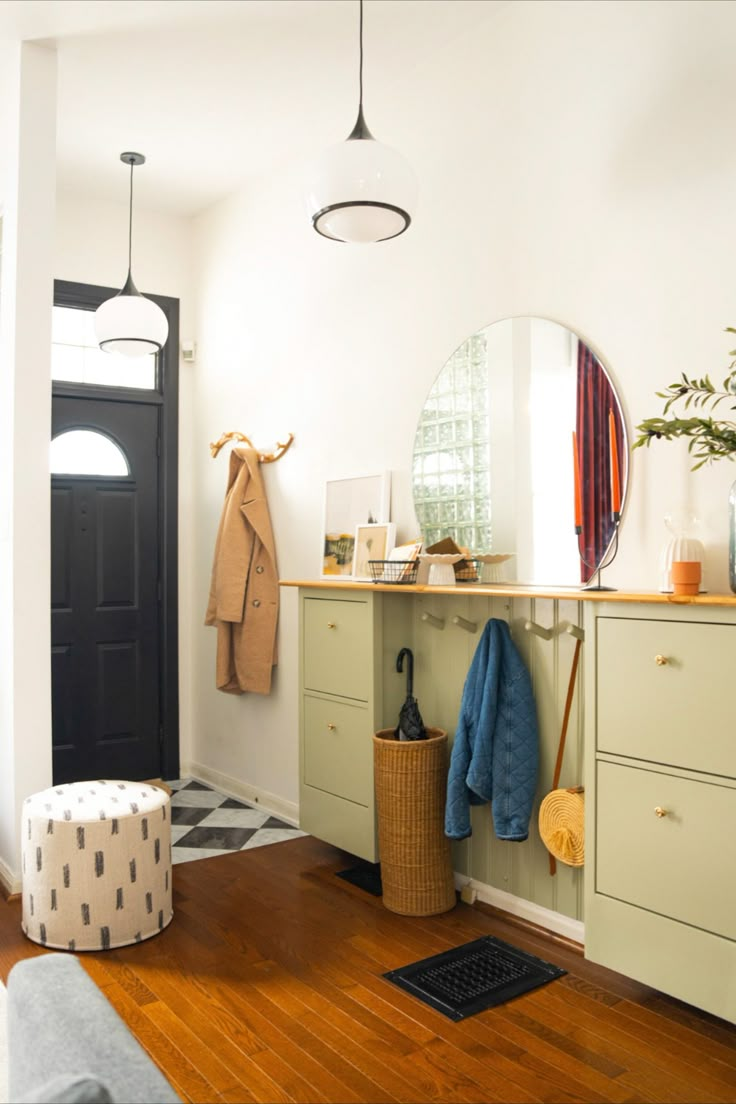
point(67, 1043)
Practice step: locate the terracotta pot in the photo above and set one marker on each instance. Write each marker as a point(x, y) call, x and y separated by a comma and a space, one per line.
point(686, 575)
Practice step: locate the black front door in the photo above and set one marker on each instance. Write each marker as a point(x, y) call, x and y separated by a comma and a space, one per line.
point(105, 599)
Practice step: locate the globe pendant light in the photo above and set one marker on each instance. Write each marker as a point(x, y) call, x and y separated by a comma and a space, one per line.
point(362, 190)
point(129, 323)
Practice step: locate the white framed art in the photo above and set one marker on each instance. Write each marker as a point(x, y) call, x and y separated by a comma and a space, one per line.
point(372, 542)
point(363, 500)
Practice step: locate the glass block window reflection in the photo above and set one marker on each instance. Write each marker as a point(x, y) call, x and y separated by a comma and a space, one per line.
point(75, 357)
point(452, 491)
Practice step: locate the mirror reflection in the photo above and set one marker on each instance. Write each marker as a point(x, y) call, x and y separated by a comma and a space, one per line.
point(493, 464)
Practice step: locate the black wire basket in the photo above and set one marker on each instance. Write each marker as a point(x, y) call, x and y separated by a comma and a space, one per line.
point(394, 571)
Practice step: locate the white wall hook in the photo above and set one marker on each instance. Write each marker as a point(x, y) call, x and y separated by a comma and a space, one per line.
point(576, 631)
point(436, 622)
point(463, 623)
point(538, 630)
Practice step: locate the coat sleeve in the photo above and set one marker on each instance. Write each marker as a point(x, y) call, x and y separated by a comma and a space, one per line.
point(516, 748)
point(233, 548)
point(470, 776)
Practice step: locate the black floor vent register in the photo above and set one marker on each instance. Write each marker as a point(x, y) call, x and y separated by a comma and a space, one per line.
point(477, 975)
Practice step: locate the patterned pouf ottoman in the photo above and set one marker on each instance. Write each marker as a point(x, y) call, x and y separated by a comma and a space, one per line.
point(96, 864)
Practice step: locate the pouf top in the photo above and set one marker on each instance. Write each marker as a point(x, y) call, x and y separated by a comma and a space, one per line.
point(87, 801)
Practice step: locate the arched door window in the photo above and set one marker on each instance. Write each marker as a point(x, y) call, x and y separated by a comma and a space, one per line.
point(87, 452)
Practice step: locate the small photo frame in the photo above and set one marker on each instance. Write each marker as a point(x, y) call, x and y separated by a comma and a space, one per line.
point(372, 542)
point(365, 500)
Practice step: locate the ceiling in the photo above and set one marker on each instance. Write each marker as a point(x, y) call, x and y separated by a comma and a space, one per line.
point(214, 92)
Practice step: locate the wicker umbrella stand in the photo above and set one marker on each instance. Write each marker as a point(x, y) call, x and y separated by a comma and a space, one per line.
point(411, 785)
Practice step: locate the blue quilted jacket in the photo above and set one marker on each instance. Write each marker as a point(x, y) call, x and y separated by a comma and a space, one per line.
point(496, 749)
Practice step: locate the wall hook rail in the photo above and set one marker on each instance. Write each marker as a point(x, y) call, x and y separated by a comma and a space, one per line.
point(435, 622)
point(264, 457)
point(538, 630)
point(463, 623)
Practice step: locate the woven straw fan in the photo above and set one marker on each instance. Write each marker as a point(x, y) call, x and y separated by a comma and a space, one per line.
point(562, 812)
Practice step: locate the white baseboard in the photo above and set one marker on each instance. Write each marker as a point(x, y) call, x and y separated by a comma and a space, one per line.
point(233, 787)
point(10, 882)
point(526, 910)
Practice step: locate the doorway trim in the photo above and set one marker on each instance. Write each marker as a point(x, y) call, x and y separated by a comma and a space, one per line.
point(166, 395)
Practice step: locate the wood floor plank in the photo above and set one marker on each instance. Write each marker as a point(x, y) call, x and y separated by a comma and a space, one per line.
point(603, 1035)
point(480, 1038)
point(159, 1046)
point(372, 1072)
point(267, 986)
point(676, 1039)
point(619, 1026)
point(555, 1048)
point(302, 1050)
point(369, 1051)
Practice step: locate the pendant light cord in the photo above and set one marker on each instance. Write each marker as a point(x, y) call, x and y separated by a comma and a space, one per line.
point(360, 71)
point(131, 159)
point(130, 222)
point(360, 130)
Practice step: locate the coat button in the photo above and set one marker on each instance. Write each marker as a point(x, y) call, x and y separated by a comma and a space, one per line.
point(256, 602)
point(259, 570)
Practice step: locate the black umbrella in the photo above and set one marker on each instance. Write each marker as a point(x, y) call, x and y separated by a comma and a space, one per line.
point(411, 725)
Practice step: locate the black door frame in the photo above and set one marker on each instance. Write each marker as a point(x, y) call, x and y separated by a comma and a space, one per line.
point(166, 397)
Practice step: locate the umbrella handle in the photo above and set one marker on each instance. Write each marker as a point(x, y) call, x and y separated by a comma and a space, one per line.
point(409, 669)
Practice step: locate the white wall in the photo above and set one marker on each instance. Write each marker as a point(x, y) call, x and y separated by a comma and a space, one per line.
point(27, 194)
point(92, 248)
point(575, 163)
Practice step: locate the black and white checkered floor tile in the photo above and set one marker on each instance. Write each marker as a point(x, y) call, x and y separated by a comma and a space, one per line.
point(205, 823)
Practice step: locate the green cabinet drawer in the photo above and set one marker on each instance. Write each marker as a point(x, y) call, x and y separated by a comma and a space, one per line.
point(338, 749)
point(348, 826)
point(665, 692)
point(337, 642)
point(679, 864)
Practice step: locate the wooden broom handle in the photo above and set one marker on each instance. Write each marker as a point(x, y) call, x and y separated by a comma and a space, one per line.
point(566, 716)
point(563, 734)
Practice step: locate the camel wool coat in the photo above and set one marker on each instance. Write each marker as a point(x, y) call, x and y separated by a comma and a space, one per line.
point(244, 592)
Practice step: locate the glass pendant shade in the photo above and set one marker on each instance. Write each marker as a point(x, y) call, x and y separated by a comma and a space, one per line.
point(131, 324)
point(361, 191)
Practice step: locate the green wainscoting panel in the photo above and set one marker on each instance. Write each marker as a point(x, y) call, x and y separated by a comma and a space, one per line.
point(442, 658)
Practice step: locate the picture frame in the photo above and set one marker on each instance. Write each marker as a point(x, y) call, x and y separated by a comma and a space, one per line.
point(362, 500)
point(372, 542)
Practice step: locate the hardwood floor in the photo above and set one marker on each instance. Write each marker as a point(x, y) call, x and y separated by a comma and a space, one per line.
point(267, 987)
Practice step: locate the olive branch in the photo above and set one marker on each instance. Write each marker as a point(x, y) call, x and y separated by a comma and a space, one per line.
point(710, 438)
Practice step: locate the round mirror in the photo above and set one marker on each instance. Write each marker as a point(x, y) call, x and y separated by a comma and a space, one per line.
point(521, 443)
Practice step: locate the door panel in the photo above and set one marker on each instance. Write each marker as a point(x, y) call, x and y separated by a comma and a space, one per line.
point(105, 608)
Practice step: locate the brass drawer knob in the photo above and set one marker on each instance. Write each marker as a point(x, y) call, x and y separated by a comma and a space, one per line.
point(660, 812)
point(661, 660)
point(331, 726)
point(331, 625)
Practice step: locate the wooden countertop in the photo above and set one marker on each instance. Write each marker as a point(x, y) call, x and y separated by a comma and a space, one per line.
point(520, 590)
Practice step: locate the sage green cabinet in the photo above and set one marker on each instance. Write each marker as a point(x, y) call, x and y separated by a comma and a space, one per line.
point(337, 654)
point(337, 754)
point(656, 846)
point(660, 895)
point(341, 703)
point(662, 684)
